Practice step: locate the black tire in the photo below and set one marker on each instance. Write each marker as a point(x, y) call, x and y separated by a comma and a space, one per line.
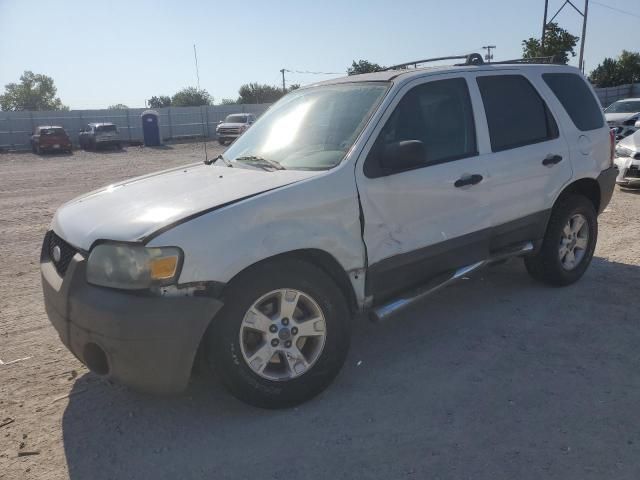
point(221, 142)
point(546, 266)
point(38, 150)
point(222, 343)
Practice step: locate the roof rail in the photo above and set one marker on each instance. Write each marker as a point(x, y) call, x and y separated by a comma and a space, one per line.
point(470, 59)
point(535, 60)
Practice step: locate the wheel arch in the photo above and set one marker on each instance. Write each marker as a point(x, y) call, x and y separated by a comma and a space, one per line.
point(318, 258)
point(587, 187)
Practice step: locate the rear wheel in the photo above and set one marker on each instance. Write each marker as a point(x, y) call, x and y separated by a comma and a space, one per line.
point(569, 243)
point(282, 336)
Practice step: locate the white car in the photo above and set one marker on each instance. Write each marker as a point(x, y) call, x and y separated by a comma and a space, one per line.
point(623, 116)
point(363, 193)
point(628, 161)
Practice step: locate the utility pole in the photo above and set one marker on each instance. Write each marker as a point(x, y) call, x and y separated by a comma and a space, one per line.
point(544, 25)
point(284, 88)
point(584, 25)
point(488, 57)
point(584, 34)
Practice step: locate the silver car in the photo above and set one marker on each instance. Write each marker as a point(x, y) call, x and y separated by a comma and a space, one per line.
point(234, 126)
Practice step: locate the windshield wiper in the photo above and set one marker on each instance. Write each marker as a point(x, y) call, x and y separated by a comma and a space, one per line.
point(264, 161)
point(211, 161)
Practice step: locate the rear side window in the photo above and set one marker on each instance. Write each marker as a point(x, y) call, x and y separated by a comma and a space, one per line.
point(576, 98)
point(516, 114)
point(106, 128)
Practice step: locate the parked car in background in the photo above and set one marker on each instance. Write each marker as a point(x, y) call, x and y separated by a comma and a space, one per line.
point(362, 193)
point(234, 126)
point(98, 135)
point(50, 138)
point(628, 161)
point(622, 116)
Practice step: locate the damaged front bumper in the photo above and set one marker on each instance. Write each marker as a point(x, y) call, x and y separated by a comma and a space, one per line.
point(139, 339)
point(628, 171)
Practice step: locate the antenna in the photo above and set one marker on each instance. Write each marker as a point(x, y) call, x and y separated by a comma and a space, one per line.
point(204, 138)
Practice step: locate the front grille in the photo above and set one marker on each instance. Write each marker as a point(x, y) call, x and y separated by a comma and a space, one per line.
point(67, 252)
point(633, 171)
point(228, 131)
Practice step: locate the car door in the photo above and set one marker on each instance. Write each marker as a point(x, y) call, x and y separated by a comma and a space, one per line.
point(529, 160)
point(423, 221)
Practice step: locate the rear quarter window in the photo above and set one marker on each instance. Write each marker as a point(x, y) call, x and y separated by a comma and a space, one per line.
point(576, 98)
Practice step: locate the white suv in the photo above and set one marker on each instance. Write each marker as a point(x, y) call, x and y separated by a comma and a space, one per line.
point(364, 193)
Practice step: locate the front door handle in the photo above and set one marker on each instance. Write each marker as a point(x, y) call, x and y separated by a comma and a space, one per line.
point(551, 160)
point(468, 180)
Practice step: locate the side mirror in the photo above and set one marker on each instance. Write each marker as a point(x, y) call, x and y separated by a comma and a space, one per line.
point(403, 155)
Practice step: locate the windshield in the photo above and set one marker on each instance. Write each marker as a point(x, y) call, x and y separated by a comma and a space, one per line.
point(106, 128)
point(310, 129)
point(236, 119)
point(52, 131)
point(624, 107)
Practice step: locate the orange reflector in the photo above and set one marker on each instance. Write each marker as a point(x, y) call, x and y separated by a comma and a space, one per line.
point(163, 268)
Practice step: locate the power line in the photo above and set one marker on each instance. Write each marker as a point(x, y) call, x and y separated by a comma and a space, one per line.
point(619, 10)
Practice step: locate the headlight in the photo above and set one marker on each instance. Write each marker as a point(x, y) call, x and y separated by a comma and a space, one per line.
point(133, 267)
point(623, 152)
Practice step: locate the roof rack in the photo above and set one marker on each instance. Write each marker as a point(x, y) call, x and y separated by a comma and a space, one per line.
point(474, 59)
point(470, 59)
point(535, 60)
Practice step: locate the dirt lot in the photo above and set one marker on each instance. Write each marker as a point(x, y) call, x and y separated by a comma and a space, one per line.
point(494, 377)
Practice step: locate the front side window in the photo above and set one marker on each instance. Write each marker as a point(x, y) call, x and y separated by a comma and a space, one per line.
point(310, 128)
point(437, 114)
point(516, 114)
point(576, 98)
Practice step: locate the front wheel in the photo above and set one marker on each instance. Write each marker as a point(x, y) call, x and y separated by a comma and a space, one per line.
point(222, 142)
point(568, 244)
point(282, 336)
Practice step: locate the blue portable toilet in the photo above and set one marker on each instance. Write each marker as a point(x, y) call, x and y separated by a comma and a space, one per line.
point(151, 128)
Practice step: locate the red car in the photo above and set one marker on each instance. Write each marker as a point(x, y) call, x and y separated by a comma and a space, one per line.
point(50, 138)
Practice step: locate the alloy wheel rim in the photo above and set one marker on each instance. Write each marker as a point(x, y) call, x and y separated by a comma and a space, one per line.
point(282, 334)
point(574, 241)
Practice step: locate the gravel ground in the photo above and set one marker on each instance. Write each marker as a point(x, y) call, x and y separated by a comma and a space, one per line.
point(494, 377)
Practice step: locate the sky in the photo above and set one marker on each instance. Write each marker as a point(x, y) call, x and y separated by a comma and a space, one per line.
point(105, 52)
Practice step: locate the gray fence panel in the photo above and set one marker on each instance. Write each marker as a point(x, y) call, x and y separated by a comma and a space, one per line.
point(611, 94)
point(175, 122)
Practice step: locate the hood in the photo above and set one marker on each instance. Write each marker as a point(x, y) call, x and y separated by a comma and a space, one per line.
point(631, 142)
point(619, 117)
point(231, 125)
point(136, 208)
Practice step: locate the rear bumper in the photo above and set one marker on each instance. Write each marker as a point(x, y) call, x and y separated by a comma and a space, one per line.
point(607, 182)
point(144, 341)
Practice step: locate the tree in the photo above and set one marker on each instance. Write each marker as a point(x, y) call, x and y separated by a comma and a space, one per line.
point(558, 43)
point(34, 92)
point(159, 102)
point(363, 66)
point(118, 106)
point(617, 71)
point(257, 93)
point(191, 97)
point(228, 101)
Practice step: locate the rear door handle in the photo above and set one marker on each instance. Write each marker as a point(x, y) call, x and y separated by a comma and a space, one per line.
point(468, 180)
point(551, 160)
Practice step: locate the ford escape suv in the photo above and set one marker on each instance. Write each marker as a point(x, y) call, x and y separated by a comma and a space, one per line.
point(363, 193)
